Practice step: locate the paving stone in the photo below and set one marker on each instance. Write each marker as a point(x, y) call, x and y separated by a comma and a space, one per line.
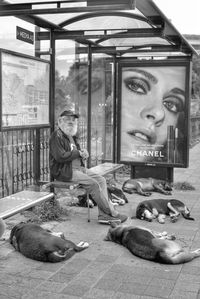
point(75, 289)
point(13, 291)
point(162, 282)
point(182, 294)
point(187, 286)
point(108, 284)
point(51, 286)
point(158, 291)
point(132, 288)
point(75, 266)
point(119, 295)
point(105, 258)
point(190, 269)
point(62, 277)
point(50, 267)
point(99, 294)
point(48, 295)
point(89, 279)
point(40, 274)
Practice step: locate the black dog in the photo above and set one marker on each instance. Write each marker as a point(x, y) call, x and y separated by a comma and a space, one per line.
point(43, 245)
point(143, 186)
point(159, 208)
point(115, 194)
point(144, 243)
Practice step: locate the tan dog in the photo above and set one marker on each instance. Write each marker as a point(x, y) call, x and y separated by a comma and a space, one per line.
point(150, 245)
point(144, 186)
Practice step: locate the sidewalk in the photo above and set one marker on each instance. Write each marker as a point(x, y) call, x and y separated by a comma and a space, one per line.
point(108, 270)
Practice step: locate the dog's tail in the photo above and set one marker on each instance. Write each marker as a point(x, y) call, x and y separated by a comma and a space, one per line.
point(186, 213)
point(187, 216)
point(58, 256)
point(127, 188)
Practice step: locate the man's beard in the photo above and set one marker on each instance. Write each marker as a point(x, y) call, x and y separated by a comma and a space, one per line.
point(69, 130)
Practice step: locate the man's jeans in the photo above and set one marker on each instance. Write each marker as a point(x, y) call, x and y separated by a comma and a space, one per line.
point(95, 185)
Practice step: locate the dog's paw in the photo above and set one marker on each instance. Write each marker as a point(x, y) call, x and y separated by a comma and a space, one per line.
point(83, 244)
point(147, 193)
point(161, 218)
point(174, 218)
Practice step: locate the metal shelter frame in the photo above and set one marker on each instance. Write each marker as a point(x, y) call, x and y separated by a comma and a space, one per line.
point(158, 26)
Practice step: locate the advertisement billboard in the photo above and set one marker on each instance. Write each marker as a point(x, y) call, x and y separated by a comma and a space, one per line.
point(24, 90)
point(153, 112)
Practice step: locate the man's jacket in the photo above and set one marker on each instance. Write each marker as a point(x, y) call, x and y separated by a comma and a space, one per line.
point(61, 155)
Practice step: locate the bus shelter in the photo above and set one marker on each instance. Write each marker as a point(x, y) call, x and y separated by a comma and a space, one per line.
point(120, 64)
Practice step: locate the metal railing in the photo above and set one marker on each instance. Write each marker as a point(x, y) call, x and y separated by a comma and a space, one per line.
point(19, 159)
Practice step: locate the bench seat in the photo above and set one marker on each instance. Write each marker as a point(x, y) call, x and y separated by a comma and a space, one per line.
point(23, 200)
point(101, 169)
point(20, 201)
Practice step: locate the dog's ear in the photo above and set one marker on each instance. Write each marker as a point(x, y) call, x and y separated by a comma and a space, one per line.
point(113, 224)
point(15, 230)
point(167, 185)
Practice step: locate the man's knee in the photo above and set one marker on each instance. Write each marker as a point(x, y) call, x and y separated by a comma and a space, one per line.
point(2, 227)
point(101, 181)
point(94, 184)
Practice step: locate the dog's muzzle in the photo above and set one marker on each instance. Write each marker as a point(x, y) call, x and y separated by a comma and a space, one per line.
point(147, 215)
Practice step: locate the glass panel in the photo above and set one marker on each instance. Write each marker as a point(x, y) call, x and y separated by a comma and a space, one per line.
point(72, 93)
point(8, 39)
point(102, 109)
point(107, 22)
point(71, 84)
point(119, 42)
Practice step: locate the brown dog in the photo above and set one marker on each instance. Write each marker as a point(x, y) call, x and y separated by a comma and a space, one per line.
point(160, 208)
point(43, 245)
point(143, 186)
point(144, 243)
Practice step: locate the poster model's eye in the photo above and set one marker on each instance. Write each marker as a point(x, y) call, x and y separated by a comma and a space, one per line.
point(137, 85)
point(173, 104)
point(95, 85)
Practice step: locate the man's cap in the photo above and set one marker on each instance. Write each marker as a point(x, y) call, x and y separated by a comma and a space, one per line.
point(69, 113)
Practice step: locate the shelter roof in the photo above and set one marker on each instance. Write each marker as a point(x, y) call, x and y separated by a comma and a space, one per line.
point(116, 27)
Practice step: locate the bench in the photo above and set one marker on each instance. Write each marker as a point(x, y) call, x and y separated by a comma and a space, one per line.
point(20, 201)
point(23, 200)
point(101, 169)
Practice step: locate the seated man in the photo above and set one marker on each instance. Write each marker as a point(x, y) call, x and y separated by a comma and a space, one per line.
point(67, 164)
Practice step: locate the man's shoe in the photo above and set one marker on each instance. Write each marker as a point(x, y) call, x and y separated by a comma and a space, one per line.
point(107, 219)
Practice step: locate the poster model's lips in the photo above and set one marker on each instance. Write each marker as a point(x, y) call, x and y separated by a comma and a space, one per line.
point(143, 136)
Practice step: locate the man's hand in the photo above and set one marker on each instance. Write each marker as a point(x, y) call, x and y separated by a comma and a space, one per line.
point(84, 154)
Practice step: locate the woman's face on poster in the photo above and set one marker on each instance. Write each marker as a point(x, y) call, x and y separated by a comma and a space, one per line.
point(152, 100)
point(97, 99)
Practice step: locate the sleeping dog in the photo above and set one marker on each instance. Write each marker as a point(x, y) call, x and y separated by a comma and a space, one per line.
point(147, 244)
point(143, 186)
point(43, 245)
point(115, 195)
point(159, 208)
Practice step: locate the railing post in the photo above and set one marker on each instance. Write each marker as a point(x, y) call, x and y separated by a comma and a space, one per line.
point(36, 156)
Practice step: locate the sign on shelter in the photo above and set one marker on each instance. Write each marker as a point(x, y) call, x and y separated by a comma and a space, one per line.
point(24, 35)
